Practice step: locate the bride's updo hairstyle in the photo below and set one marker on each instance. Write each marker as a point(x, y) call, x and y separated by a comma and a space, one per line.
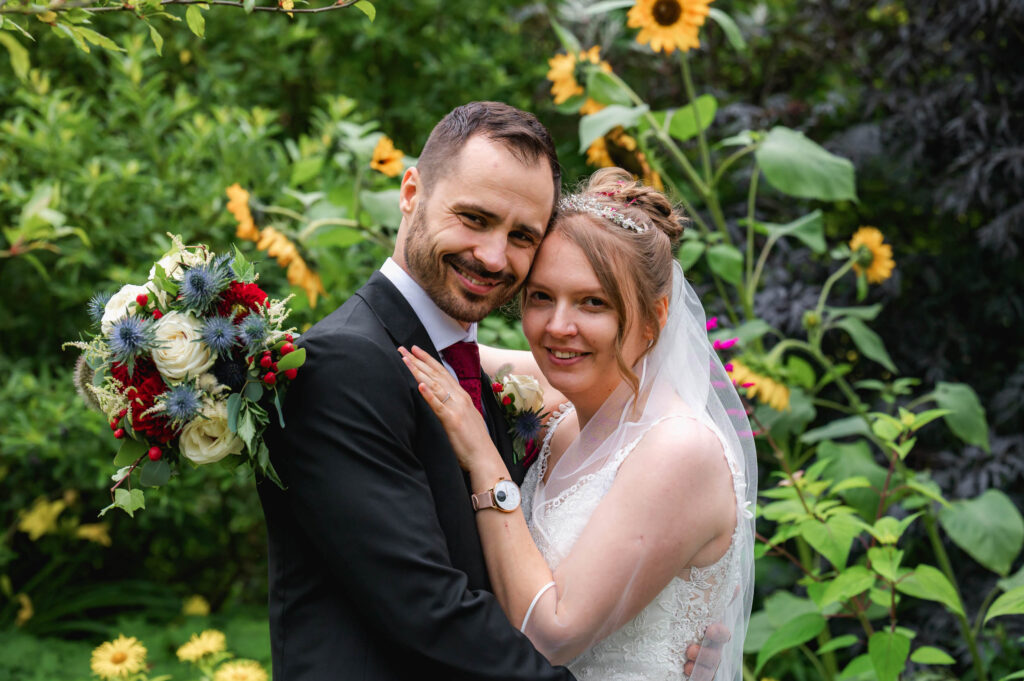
point(628, 233)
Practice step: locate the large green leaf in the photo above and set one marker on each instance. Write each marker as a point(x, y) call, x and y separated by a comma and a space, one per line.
point(603, 88)
point(689, 253)
point(19, 55)
point(832, 538)
point(989, 528)
point(931, 655)
point(867, 341)
point(859, 669)
point(810, 229)
point(927, 583)
point(565, 36)
point(799, 167)
point(800, 629)
point(727, 262)
point(847, 461)
point(382, 206)
point(888, 651)
point(597, 124)
point(967, 417)
point(852, 581)
point(682, 123)
point(1010, 603)
point(851, 425)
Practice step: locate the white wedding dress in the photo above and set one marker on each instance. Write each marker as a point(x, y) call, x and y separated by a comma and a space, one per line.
point(651, 646)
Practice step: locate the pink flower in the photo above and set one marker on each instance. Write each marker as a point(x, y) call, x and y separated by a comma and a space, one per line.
point(712, 324)
point(726, 344)
point(728, 366)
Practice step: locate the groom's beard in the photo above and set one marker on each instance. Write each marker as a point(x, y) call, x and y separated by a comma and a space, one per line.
point(434, 273)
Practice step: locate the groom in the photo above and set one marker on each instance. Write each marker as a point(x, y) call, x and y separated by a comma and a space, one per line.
point(376, 569)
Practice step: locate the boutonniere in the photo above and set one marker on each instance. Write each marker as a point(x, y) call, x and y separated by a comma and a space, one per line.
point(522, 401)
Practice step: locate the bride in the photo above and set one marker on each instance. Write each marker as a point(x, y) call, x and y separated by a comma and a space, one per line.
point(634, 534)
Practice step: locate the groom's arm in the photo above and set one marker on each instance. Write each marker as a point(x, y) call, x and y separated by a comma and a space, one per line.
point(363, 497)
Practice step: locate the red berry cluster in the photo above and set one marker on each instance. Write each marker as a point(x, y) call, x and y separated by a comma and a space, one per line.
point(497, 388)
point(143, 301)
point(267, 361)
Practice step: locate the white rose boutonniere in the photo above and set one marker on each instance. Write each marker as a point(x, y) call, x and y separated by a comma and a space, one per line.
point(179, 355)
point(522, 399)
point(207, 438)
point(525, 392)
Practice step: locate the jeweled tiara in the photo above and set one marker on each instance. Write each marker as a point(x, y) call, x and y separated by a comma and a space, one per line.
point(581, 203)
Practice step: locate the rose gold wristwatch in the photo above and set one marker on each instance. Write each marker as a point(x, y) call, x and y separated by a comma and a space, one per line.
point(504, 496)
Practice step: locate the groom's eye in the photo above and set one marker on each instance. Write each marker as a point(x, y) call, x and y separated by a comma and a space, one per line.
point(475, 220)
point(522, 237)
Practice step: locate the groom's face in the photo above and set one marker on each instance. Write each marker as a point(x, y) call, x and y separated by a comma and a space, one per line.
point(470, 240)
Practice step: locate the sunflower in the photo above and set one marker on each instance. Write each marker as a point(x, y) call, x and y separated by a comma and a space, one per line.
point(386, 158)
point(119, 658)
point(199, 646)
point(668, 24)
point(873, 257)
point(240, 670)
point(764, 388)
point(564, 83)
point(238, 204)
point(618, 148)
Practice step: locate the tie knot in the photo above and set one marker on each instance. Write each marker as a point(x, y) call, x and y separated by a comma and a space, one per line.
point(464, 358)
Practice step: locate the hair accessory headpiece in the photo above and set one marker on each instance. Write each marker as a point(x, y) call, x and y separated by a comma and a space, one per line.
point(581, 203)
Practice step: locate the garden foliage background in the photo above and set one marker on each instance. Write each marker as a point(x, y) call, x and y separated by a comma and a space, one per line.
point(102, 154)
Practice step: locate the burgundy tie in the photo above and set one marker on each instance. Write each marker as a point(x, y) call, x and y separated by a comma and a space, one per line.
point(464, 358)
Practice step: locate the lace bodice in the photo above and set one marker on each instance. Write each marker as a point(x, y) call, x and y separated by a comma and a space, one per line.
point(651, 646)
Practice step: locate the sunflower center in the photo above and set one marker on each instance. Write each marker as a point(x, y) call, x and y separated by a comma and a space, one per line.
point(667, 12)
point(119, 657)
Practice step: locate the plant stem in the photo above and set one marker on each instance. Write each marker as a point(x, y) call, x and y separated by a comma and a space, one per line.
point(947, 569)
point(984, 608)
point(748, 294)
point(277, 210)
point(735, 156)
point(827, 288)
point(822, 672)
point(702, 141)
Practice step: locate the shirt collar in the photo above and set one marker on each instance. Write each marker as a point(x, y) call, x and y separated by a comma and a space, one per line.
point(442, 328)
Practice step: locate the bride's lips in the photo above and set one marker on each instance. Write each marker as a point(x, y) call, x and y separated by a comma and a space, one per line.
point(565, 356)
point(472, 282)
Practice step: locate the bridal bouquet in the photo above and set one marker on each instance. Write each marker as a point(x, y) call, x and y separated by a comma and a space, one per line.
point(182, 365)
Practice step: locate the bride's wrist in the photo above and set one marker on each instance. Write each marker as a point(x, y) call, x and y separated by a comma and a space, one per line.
point(483, 474)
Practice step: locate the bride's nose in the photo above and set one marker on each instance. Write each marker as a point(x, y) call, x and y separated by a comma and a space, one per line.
point(561, 323)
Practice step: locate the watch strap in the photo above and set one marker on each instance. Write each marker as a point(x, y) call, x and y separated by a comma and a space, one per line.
point(483, 500)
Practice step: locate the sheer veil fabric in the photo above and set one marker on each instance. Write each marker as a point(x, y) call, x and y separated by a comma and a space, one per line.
point(681, 377)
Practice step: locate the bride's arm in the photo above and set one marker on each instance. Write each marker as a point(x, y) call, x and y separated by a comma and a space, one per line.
point(522, 361)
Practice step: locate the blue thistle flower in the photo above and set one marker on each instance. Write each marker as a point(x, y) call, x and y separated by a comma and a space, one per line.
point(181, 403)
point(130, 337)
point(202, 284)
point(219, 335)
point(526, 426)
point(252, 332)
point(97, 305)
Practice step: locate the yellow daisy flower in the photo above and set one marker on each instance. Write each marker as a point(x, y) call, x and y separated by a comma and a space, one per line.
point(195, 605)
point(240, 670)
point(562, 74)
point(668, 24)
point(238, 204)
point(210, 642)
point(119, 659)
point(872, 256)
point(764, 388)
point(41, 518)
point(94, 532)
point(387, 159)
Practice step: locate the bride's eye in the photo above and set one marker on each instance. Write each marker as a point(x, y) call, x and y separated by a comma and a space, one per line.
point(595, 302)
point(537, 297)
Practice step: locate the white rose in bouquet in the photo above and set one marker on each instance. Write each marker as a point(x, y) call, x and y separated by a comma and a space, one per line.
point(207, 438)
point(179, 353)
point(175, 262)
point(525, 392)
point(117, 306)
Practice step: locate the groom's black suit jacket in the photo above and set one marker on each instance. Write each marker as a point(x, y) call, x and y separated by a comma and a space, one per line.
point(376, 569)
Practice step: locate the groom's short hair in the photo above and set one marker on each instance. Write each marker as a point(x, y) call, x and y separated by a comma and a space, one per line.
point(518, 131)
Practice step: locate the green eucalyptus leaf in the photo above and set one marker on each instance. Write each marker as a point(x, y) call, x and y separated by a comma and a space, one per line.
point(234, 405)
point(967, 417)
point(253, 391)
point(888, 651)
point(989, 528)
point(796, 166)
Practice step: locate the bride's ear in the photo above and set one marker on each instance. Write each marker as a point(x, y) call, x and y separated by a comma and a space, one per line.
point(661, 310)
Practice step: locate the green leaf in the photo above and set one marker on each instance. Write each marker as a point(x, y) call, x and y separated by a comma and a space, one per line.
point(248, 6)
point(927, 583)
point(833, 538)
point(885, 560)
point(195, 20)
point(603, 88)
point(852, 581)
point(888, 651)
point(158, 40)
point(367, 8)
point(729, 27)
point(18, 54)
point(809, 229)
point(568, 40)
point(867, 341)
point(293, 360)
point(928, 489)
point(571, 105)
point(1013, 581)
point(129, 452)
point(155, 473)
point(1015, 675)
point(597, 124)
point(747, 332)
point(864, 312)
point(859, 669)
point(234, 406)
point(98, 39)
point(129, 500)
point(926, 417)
point(682, 123)
point(967, 417)
point(305, 169)
point(854, 460)
point(247, 427)
point(607, 6)
point(837, 643)
point(800, 372)
point(243, 269)
point(689, 253)
point(254, 391)
point(856, 482)
point(1010, 603)
point(382, 206)
point(796, 631)
point(851, 425)
point(727, 262)
point(989, 528)
point(799, 167)
point(784, 423)
point(335, 235)
point(931, 655)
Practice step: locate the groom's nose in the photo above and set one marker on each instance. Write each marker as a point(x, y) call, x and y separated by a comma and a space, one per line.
point(491, 250)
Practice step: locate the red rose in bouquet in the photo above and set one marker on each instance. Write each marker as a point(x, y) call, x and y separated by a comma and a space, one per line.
point(241, 299)
point(142, 387)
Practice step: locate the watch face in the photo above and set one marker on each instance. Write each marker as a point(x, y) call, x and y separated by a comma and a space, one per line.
point(506, 495)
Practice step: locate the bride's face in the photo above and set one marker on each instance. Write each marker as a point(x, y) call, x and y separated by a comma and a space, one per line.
point(572, 326)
